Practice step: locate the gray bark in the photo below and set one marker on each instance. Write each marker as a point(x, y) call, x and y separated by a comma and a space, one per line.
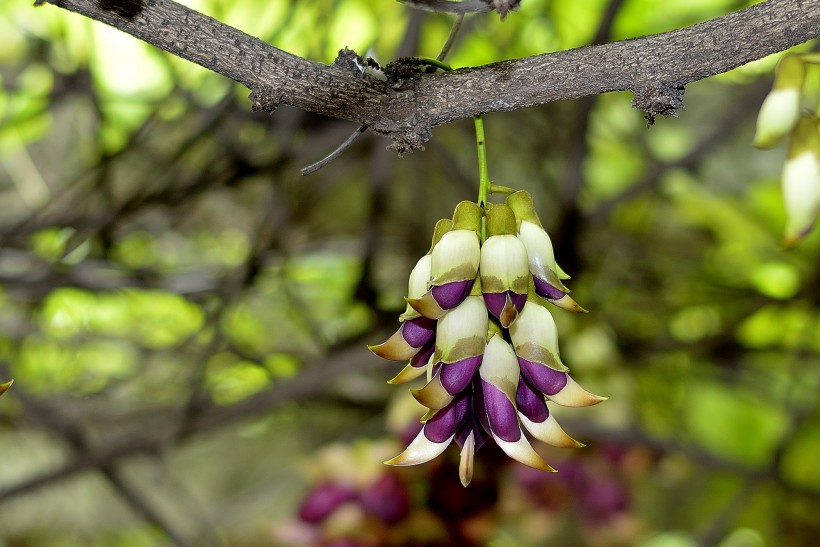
point(406, 106)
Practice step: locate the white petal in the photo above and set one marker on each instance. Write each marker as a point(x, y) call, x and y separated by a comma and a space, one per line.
point(465, 464)
point(550, 432)
point(522, 451)
point(504, 257)
point(499, 366)
point(467, 321)
point(573, 395)
point(421, 450)
point(457, 250)
point(778, 116)
point(419, 277)
point(535, 331)
point(539, 249)
point(801, 192)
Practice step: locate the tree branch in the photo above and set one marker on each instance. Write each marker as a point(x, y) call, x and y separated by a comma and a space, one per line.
point(409, 103)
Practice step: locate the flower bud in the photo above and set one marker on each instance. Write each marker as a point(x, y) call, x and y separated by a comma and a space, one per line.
point(800, 181)
point(536, 418)
point(407, 341)
point(454, 264)
point(504, 267)
point(535, 337)
point(546, 274)
point(436, 434)
point(417, 285)
point(559, 387)
point(417, 366)
point(781, 107)
point(497, 387)
point(461, 337)
point(415, 330)
point(462, 333)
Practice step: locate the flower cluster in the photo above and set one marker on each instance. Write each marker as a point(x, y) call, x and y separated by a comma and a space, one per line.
point(781, 115)
point(477, 324)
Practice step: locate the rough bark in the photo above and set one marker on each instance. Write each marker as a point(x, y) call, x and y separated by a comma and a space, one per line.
point(408, 104)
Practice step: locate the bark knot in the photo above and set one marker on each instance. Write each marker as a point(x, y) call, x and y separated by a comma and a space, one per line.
point(659, 99)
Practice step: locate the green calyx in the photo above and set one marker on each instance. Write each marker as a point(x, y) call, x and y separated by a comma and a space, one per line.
point(805, 137)
point(442, 227)
point(523, 207)
point(476, 289)
point(494, 328)
point(500, 220)
point(790, 73)
point(467, 216)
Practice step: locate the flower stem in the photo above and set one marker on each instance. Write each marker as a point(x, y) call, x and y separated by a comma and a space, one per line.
point(483, 173)
point(498, 189)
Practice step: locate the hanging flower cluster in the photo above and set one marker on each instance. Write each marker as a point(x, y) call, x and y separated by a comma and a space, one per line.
point(781, 115)
point(477, 324)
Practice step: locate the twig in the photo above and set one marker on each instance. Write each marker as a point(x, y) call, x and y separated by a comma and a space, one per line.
point(338, 151)
point(451, 38)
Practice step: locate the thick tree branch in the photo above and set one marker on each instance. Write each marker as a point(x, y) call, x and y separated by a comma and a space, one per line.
point(409, 104)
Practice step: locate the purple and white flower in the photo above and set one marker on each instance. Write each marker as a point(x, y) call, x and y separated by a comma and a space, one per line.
point(454, 264)
point(505, 277)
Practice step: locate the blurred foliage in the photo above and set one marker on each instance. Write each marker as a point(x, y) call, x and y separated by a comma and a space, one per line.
point(185, 317)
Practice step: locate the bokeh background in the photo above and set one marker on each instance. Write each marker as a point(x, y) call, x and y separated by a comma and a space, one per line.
point(185, 316)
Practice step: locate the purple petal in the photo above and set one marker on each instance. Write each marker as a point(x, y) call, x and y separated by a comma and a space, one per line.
point(495, 302)
point(452, 294)
point(542, 288)
point(446, 422)
point(323, 500)
point(471, 425)
point(455, 377)
point(501, 413)
point(479, 409)
point(530, 403)
point(418, 331)
point(542, 378)
point(518, 300)
point(420, 359)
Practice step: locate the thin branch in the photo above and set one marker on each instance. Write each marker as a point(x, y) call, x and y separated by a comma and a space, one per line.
point(409, 104)
point(338, 151)
point(451, 38)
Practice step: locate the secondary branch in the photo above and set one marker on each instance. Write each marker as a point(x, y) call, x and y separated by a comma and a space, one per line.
point(408, 104)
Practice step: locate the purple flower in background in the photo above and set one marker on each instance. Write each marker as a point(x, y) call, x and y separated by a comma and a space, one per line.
point(323, 500)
